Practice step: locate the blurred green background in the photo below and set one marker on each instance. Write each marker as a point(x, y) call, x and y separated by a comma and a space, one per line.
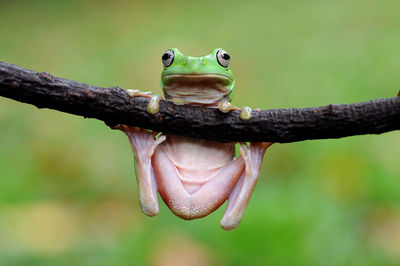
point(68, 194)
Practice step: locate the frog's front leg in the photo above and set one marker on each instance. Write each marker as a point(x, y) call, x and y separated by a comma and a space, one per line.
point(226, 106)
point(143, 143)
point(240, 196)
point(153, 104)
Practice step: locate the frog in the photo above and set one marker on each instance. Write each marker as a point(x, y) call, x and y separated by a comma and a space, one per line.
point(195, 176)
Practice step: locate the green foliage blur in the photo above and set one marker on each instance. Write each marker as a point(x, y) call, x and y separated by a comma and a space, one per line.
point(68, 194)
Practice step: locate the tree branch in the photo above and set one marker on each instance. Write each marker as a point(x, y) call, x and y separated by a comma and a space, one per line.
point(115, 106)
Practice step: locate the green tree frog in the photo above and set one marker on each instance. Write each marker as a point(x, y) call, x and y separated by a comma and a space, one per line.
point(195, 176)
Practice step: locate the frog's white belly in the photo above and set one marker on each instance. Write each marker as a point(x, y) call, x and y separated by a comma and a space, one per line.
point(196, 160)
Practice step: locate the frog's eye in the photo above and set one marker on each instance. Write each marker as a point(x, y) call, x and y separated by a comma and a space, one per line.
point(168, 58)
point(223, 58)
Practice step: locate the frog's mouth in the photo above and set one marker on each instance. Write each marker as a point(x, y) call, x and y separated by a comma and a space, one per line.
point(202, 89)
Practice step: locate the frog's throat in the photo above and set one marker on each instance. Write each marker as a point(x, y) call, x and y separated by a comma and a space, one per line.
point(201, 89)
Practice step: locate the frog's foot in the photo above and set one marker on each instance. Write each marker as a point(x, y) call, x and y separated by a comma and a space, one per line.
point(153, 106)
point(240, 196)
point(138, 93)
point(253, 156)
point(226, 106)
point(245, 114)
point(177, 101)
point(144, 143)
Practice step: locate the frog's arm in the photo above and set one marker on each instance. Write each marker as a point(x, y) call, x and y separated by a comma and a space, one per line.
point(143, 143)
point(153, 106)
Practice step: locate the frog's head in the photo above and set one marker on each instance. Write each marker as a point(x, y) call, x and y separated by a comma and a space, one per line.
point(204, 80)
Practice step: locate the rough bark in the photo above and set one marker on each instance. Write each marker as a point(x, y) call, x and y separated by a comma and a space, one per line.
point(114, 106)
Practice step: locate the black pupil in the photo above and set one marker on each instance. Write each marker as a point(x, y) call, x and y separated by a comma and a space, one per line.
point(166, 56)
point(225, 56)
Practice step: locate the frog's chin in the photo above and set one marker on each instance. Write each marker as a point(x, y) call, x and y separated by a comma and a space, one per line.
point(201, 89)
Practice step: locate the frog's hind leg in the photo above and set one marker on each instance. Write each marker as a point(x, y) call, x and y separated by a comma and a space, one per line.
point(204, 201)
point(143, 144)
point(240, 196)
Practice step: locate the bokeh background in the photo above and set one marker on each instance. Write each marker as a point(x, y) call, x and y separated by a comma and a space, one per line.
point(68, 194)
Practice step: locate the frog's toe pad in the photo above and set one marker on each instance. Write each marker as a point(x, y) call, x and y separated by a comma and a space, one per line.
point(230, 223)
point(150, 208)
